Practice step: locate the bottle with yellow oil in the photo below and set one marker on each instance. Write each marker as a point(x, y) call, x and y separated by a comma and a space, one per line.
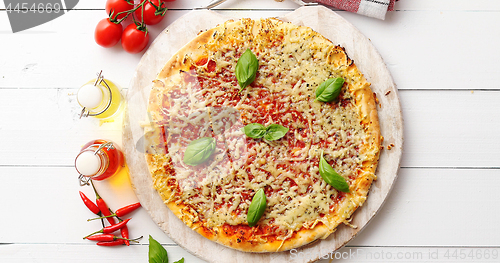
point(99, 98)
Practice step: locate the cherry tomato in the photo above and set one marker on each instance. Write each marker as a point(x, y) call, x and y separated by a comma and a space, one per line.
point(135, 38)
point(117, 6)
point(152, 15)
point(107, 33)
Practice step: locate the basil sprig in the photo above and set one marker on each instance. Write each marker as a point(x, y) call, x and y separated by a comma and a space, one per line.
point(275, 132)
point(246, 69)
point(255, 130)
point(331, 177)
point(157, 253)
point(329, 89)
point(271, 133)
point(257, 207)
point(198, 151)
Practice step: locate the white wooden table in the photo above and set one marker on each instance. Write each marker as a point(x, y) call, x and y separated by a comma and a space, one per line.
point(444, 57)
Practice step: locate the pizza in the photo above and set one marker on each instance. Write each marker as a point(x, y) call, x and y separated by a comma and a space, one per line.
point(250, 156)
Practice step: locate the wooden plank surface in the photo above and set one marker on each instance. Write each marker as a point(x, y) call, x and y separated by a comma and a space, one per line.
point(19, 253)
point(413, 60)
point(414, 207)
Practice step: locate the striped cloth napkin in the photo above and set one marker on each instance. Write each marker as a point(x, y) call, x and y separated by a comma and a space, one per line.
point(371, 8)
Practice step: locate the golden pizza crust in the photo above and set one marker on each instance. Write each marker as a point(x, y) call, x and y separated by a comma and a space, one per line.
point(364, 100)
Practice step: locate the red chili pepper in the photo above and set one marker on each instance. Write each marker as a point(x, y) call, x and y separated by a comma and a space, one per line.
point(105, 210)
point(120, 212)
point(90, 205)
point(111, 243)
point(113, 228)
point(103, 237)
point(110, 229)
point(108, 214)
point(110, 237)
point(127, 209)
point(103, 206)
point(124, 233)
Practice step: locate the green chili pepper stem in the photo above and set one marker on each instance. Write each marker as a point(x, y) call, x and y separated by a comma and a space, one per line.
point(136, 240)
point(96, 232)
point(97, 196)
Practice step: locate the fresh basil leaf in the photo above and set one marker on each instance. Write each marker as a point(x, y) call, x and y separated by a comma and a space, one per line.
point(254, 130)
point(331, 177)
point(275, 132)
point(257, 207)
point(329, 89)
point(246, 69)
point(198, 151)
point(180, 261)
point(157, 253)
point(271, 133)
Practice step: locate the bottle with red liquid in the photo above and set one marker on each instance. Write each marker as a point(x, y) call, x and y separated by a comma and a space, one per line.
point(98, 160)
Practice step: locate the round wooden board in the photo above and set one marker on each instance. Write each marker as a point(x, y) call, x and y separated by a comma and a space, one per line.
point(333, 27)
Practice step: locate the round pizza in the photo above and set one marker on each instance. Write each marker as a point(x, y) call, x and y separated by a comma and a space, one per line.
point(264, 136)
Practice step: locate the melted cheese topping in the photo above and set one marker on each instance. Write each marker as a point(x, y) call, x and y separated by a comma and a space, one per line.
point(205, 102)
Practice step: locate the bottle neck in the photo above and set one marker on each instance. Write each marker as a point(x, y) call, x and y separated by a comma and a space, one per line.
point(101, 155)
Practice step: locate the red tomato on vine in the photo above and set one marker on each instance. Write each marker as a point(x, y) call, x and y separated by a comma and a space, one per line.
point(152, 12)
point(107, 33)
point(118, 6)
point(135, 38)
